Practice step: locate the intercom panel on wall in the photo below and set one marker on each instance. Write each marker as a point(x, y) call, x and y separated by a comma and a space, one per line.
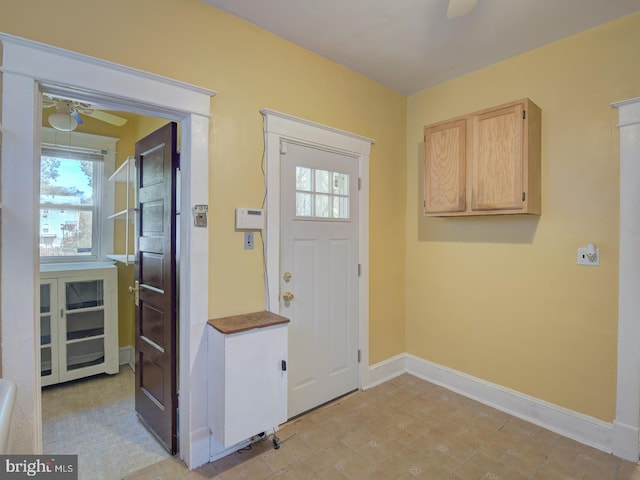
point(249, 219)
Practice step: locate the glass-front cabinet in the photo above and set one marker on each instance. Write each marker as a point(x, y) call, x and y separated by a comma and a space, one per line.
point(78, 321)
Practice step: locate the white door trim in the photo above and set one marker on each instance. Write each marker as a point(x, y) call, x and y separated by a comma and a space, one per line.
point(25, 66)
point(280, 126)
point(626, 426)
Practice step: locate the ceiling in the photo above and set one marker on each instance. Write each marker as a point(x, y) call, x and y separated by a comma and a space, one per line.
point(410, 45)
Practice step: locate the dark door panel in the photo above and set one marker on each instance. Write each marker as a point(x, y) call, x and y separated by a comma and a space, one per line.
point(155, 342)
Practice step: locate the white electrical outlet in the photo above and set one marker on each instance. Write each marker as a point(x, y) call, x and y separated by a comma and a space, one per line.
point(585, 259)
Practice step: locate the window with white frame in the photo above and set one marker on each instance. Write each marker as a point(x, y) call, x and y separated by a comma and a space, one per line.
point(70, 203)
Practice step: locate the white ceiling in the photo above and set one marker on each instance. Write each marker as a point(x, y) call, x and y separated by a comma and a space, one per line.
point(410, 45)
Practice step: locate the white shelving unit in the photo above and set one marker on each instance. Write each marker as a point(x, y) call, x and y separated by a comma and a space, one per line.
point(78, 321)
point(125, 174)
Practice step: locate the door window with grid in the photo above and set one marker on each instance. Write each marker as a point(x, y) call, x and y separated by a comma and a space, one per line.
point(322, 194)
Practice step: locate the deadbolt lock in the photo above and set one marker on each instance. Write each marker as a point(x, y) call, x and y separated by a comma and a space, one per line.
point(287, 296)
point(287, 276)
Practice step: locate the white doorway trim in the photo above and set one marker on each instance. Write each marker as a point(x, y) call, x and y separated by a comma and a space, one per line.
point(626, 426)
point(27, 65)
point(280, 126)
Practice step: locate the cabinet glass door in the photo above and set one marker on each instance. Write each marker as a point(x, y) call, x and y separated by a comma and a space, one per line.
point(85, 322)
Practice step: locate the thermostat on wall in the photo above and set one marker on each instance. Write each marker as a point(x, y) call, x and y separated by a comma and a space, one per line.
point(249, 219)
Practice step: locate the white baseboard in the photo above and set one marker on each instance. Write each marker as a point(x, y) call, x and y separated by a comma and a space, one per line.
point(625, 441)
point(127, 356)
point(571, 424)
point(386, 370)
point(217, 451)
point(198, 451)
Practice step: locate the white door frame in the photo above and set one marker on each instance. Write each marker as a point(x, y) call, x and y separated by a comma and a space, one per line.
point(280, 126)
point(26, 65)
point(626, 426)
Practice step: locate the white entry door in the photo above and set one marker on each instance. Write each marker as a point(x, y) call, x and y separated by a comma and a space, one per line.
point(319, 273)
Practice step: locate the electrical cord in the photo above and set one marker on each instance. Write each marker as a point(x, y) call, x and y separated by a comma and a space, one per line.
point(262, 437)
point(264, 202)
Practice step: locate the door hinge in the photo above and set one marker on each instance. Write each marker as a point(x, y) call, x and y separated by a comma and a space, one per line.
point(283, 148)
point(359, 355)
point(524, 114)
point(359, 184)
point(523, 196)
point(359, 269)
point(283, 365)
point(177, 160)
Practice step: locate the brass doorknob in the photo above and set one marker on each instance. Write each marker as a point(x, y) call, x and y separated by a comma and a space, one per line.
point(135, 290)
point(287, 296)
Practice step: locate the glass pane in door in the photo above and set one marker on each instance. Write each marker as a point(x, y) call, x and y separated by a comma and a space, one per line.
point(85, 324)
point(45, 329)
point(45, 361)
point(84, 294)
point(85, 354)
point(45, 298)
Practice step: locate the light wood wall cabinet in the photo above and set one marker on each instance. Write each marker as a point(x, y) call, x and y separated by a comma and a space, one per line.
point(484, 163)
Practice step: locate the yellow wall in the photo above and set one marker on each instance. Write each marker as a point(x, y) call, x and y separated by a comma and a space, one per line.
point(251, 69)
point(498, 298)
point(502, 298)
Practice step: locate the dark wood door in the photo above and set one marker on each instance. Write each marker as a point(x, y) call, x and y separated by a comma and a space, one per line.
point(156, 396)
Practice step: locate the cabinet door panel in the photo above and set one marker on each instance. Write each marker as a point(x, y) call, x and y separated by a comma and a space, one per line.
point(445, 167)
point(49, 316)
point(496, 159)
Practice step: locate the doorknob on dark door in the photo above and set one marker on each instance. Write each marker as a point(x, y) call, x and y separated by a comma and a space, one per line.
point(135, 290)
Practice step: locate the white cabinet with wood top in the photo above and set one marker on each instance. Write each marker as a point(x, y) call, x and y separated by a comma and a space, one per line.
point(248, 377)
point(78, 321)
point(484, 163)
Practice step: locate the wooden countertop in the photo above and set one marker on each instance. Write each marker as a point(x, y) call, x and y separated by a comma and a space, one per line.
point(248, 321)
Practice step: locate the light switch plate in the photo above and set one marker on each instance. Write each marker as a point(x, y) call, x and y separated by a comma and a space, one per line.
point(248, 240)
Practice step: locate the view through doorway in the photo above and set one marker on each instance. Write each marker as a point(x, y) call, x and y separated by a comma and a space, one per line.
point(92, 416)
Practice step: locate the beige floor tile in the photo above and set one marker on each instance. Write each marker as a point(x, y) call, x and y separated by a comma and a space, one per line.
point(482, 467)
point(628, 471)
point(408, 429)
point(297, 472)
point(376, 453)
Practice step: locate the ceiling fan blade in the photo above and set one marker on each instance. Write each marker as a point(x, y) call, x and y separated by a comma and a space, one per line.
point(106, 117)
point(458, 8)
point(77, 116)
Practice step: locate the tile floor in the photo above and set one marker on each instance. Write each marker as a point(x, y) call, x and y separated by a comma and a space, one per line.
point(94, 418)
point(407, 429)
